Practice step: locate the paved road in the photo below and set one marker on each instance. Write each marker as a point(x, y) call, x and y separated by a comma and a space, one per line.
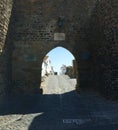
point(60, 108)
point(58, 84)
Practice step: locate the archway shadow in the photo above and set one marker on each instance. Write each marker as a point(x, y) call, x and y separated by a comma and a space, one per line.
point(54, 108)
point(26, 104)
point(67, 111)
point(50, 110)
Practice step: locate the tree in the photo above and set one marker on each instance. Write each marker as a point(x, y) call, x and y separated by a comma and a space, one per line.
point(70, 71)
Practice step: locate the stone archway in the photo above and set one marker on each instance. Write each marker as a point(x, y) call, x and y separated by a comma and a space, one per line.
point(26, 72)
point(35, 33)
point(83, 29)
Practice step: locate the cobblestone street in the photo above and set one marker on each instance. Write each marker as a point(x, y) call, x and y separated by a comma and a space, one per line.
point(59, 109)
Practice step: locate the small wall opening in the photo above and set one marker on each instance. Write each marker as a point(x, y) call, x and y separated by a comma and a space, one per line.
point(59, 71)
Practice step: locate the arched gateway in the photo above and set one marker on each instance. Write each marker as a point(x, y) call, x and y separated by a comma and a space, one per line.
point(85, 28)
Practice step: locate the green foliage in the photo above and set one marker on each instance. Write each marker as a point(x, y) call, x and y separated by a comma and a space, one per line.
point(70, 71)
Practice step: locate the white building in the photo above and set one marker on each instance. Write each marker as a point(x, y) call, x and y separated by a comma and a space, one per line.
point(63, 69)
point(47, 69)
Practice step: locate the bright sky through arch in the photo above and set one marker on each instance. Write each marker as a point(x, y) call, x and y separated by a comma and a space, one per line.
point(60, 56)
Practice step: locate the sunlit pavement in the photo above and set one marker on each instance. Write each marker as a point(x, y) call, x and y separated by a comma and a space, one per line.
point(60, 108)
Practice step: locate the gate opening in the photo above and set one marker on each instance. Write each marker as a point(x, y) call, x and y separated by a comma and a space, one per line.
point(59, 71)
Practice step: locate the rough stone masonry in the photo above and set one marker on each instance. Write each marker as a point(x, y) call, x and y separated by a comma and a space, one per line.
point(27, 34)
point(5, 13)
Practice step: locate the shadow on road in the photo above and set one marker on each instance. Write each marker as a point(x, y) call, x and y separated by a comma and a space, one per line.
point(35, 103)
point(50, 109)
point(68, 111)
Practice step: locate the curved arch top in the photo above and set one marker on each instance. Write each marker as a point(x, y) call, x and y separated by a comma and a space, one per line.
point(60, 56)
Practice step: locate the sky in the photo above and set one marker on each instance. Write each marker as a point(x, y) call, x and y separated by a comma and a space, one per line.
point(60, 56)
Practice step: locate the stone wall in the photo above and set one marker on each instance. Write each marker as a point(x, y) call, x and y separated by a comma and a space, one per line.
point(103, 38)
point(35, 24)
point(90, 28)
point(108, 17)
point(5, 12)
